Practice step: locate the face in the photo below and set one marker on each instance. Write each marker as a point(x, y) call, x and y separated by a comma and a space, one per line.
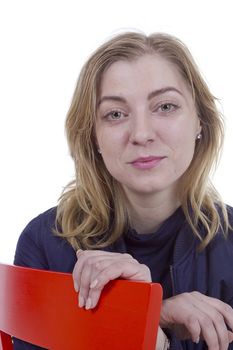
point(146, 124)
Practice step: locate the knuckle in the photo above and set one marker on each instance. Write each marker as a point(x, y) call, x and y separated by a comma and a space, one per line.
point(185, 295)
point(89, 262)
point(227, 308)
point(146, 269)
point(99, 265)
point(191, 321)
point(103, 279)
point(128, 256)
point(206, 321)
point(218, 317)
point(81, 253)
point(133, 260)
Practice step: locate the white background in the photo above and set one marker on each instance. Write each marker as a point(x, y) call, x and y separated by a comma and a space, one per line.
point(43, 45)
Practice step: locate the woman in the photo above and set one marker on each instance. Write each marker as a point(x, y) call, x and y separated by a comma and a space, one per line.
point(144, 133)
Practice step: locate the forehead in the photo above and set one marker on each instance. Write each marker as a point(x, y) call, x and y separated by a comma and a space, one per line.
point(144, 73)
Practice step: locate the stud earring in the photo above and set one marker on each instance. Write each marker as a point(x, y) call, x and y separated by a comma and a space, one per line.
point(199, 136)
point(99, 151)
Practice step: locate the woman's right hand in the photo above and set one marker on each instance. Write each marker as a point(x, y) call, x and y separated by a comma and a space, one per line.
point(95, 268)
point(196, 316)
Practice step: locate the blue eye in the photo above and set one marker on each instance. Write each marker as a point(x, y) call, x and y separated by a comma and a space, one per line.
point(167, 107)
point(115, 115)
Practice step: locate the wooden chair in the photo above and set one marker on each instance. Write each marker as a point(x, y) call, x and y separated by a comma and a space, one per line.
point(41, 307)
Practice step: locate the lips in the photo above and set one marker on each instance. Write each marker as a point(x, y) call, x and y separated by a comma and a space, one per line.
point(146, 162)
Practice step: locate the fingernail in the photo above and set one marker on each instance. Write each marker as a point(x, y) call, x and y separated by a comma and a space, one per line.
point(88, 304)
point(197, 340)
point(81, 301)
point(94, 284)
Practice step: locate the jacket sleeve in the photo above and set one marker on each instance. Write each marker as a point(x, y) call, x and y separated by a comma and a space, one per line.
point(29, 253)
point(22, 345)
point(29, 249)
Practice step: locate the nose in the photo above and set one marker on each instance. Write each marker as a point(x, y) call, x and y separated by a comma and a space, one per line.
point(142, 130)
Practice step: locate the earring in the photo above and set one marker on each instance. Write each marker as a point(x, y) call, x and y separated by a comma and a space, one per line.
point(99, 151)
point(199, 136)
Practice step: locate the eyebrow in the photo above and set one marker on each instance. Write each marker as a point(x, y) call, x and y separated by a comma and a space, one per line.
point(162, 91)
point(150, 96)
point(112, 98)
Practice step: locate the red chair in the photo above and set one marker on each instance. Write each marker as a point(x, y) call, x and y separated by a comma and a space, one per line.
point(41, 307)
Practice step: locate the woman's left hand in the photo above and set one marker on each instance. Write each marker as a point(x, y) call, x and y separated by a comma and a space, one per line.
point(95, 268)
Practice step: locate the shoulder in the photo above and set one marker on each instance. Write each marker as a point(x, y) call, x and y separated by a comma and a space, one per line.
point(220, 249)
point(39, 247)
point(229, 211)
point(42, 224)
point(219, 259)
point(40, 228)
point(223, 238)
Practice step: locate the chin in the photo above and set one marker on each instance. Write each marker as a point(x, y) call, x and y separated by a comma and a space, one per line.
point(145, 189)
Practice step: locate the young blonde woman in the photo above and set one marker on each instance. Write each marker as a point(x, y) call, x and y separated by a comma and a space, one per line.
point(144, 133)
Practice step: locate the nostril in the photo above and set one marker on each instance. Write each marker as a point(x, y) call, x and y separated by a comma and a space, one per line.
point(141, 139)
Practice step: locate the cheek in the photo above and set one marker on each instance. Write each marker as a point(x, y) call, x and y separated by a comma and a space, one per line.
point(181, 141)
point(107, 144)
point(110, 140)
point(183, 154)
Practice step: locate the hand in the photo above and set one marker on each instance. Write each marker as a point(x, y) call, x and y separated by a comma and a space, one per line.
point(195, 315)
point(95, 268)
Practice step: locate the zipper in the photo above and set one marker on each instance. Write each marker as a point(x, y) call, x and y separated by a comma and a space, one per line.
point(172, 279)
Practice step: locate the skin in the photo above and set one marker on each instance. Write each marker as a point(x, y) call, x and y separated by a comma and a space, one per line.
point(141, 125)
point(146, 109)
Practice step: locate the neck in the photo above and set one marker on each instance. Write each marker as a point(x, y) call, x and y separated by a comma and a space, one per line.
point(148, 212)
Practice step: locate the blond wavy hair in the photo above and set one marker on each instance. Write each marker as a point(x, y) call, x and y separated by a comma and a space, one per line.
point(92, 212)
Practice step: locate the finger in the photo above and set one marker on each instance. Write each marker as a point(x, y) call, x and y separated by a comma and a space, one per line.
point(109, 270)
point(213, 326)
point(90, 264)
point(186, 323)
point(83, 257)
point(92, 267)
point(93, 298)
point(223, 308)
point(93, 282)
point(92, 258)
point(179, 314)
point(215, 332)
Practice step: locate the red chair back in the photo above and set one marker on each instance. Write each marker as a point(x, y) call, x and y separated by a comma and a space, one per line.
point(41, 307)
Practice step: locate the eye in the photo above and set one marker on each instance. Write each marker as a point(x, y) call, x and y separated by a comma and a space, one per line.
point(167, 107)
point(115, 115)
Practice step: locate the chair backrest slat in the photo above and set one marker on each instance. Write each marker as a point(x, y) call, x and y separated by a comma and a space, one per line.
point(41, 307)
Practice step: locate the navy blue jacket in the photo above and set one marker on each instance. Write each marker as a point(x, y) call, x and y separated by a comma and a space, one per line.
point(210, 272)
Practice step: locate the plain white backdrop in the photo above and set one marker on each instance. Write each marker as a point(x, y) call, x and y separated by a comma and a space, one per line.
point(43, 44)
